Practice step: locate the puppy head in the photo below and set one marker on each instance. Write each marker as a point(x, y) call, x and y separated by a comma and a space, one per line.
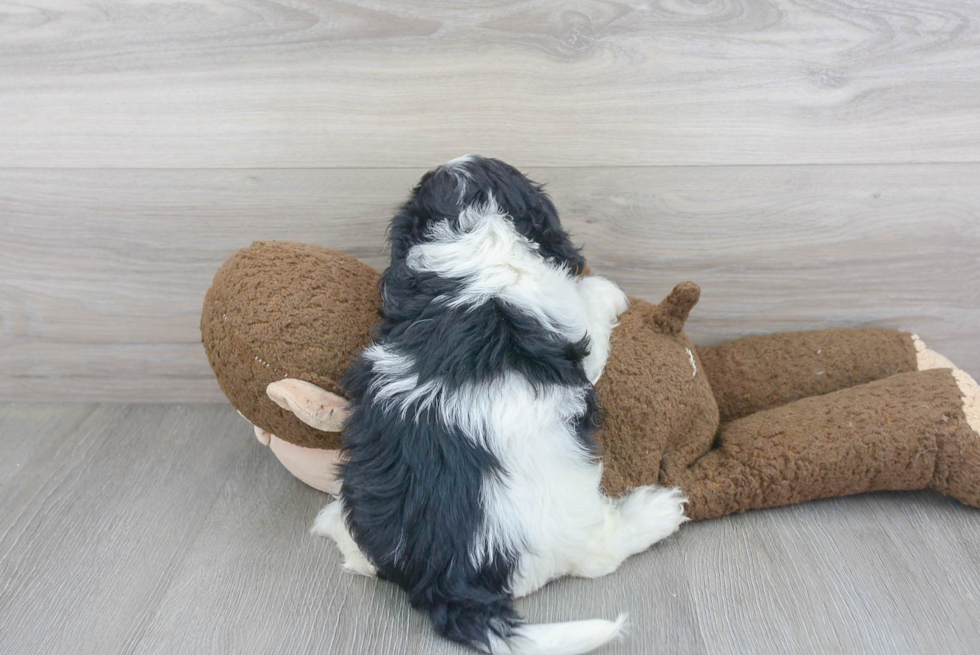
point(443, 193)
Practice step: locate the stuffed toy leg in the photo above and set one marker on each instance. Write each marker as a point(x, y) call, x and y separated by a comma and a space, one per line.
point(910, 421)
point(833, 413)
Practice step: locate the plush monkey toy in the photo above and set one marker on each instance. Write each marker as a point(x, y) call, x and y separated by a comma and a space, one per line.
point(759, 422)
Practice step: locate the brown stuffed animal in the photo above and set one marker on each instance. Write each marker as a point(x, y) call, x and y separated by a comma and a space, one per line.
point(758, 422)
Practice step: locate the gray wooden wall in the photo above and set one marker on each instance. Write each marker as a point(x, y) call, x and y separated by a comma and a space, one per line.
point(810, 163)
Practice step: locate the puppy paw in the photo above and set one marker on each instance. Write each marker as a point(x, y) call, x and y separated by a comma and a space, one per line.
point(330, 523)
point(633, 524)
point(653, 513)
point(360, 565)
point(603, 295)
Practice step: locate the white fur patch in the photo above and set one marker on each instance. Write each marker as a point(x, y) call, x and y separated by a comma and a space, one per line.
point(396, 385)
point(568, 638)
point(603, 303)
point(546, 471)
point(459, 171)
point(496, 262)
point(546, 506)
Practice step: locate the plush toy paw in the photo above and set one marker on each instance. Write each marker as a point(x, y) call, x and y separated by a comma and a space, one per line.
point(960, 477)
point(971, 398)
point(928, 359)
point(958, 470)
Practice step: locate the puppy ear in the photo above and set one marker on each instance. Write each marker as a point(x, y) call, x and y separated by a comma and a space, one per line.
point(555, 241)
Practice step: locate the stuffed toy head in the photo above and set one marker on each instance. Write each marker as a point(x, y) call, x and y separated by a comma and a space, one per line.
point(668, 412)
point(280, 324)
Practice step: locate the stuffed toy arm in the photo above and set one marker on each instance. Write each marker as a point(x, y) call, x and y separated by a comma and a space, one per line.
point(319, 409)
point(757, 373)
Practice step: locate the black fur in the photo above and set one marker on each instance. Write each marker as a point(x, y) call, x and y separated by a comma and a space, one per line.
point(412, 485)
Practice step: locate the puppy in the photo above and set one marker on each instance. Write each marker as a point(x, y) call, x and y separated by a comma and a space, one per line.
point(470, 474)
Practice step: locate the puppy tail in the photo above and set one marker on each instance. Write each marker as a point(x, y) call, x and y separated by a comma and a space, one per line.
point(495, 628)
point(568, 638)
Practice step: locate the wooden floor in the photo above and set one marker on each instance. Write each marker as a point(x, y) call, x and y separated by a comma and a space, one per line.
point(169, 529)
point(811, 163)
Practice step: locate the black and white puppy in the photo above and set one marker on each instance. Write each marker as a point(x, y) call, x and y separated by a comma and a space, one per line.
point(470, 472)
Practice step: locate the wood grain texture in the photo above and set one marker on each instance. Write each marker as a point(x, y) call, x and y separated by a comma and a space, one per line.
point(169, 529)
point(363, 83)
point(104, 272)
point(273, 587)
point(811, 163)
point(861, 557)
point(93, 523)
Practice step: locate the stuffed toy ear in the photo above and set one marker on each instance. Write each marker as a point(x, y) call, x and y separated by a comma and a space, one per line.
point(314, 406)
point(672, 312)
point(320, 409)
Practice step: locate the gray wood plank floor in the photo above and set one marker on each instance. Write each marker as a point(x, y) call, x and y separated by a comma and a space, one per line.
point(168, 529)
